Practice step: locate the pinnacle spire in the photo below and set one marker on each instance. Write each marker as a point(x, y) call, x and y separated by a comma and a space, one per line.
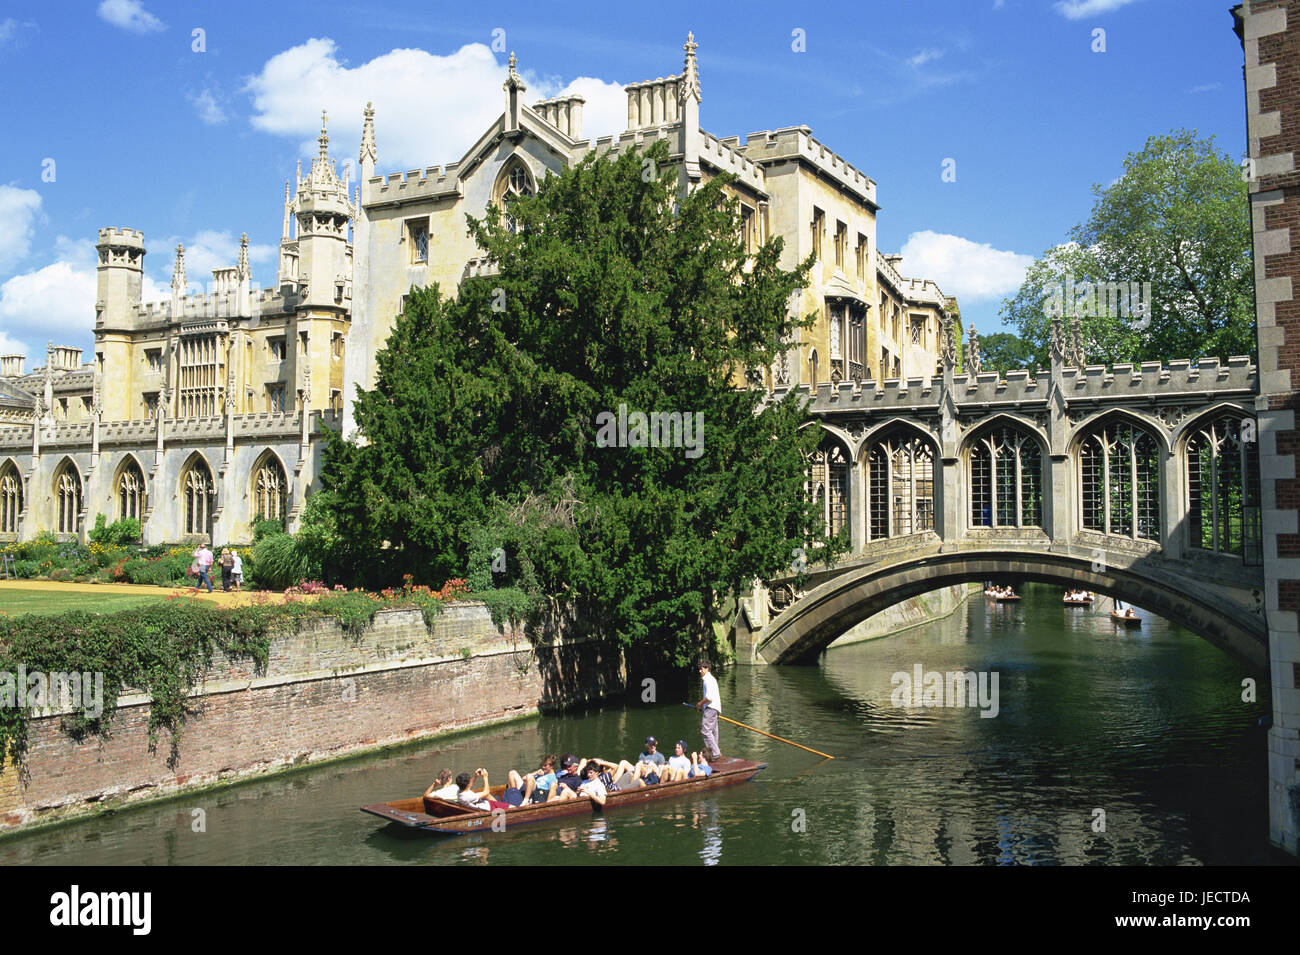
point(368, 150)
point(324, 137)
point(690, 84)
point(178, 271)
point(242, 268)
point(513, 79)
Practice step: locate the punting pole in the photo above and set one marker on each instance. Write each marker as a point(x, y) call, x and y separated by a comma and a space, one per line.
point(768, 735)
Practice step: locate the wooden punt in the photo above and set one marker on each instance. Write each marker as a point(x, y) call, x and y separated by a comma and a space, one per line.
point(1126, 620)
point(441, 815)
point(1071, 602)
point(1004, 600)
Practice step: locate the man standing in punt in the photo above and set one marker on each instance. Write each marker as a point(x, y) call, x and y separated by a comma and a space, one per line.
point(712, 707)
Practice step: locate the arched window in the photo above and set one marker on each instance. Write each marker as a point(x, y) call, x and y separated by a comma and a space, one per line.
point(270, 491)
point(11, 499)
point(515, 180)
point(1119, 481)
point(67, 494)
point(1006, 479)
point(1223, 512)
point(130, 492)
point(200, 498)
point(828, 485)
point(900, 485)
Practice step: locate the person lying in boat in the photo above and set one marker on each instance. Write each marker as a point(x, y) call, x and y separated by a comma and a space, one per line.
point(444, 787)
point(481, 800)
point(649, 765)
point(700, 765)
point(679, 764)
point(536, 786)
point(591, 788)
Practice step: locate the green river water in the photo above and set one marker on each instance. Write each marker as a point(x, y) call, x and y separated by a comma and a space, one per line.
point(1147, 725)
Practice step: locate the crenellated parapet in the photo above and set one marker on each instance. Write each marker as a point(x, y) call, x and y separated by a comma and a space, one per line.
point(797, 143)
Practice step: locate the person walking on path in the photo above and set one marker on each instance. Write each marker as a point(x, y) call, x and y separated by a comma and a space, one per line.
point(227, 569)
point(237, 571)
point(203, 559)
point(711, 705)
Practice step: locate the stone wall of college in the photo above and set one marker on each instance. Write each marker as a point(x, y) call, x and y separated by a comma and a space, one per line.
point(324, 695)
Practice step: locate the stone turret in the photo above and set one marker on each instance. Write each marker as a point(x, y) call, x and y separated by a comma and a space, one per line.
point(119, 275)
point(514, 88)
point(324, 210)
point(11, 366)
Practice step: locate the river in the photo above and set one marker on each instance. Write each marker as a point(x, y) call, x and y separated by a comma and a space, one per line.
point(1113, 746)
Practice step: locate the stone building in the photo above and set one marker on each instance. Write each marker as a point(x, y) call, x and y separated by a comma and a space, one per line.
point(203, 414)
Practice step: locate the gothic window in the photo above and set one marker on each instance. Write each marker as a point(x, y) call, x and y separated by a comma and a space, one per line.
point(130, 493)
point(862, 256)
point(841, 240)
point(818, 230)
point(857, 342)
point(275, 399)
point(200, 498)
point(418, 233)
point(812, 369)
point(515, 181)
point(1223, 508)
point(200, 377)
point(1119, 481)
point(154, 357)
point(900, 486)
point(270, 491)
point(67, 494)
point(276, 347)
point(150, 404)
point(837, 331)
point(1006, 479)
point(918, 328)
point(11, 499)
point(828, 486)
point(747, 228)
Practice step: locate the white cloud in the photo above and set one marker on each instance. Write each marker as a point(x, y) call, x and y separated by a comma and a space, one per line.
point(130, 15)
point(428, 108)
point(924, 57)
point(971, 271)
point(204, 251)
point(206, 105)
point(1078, 9)
point(19, 209)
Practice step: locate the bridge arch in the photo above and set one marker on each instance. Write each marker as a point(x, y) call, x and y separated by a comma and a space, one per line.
point(813, 621)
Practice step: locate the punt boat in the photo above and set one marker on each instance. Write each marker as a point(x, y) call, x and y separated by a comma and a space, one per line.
point(446, 816)
point(1126, 620)
point(1078, 601)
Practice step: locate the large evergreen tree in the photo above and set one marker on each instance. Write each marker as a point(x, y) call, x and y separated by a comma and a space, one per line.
point(481, 436)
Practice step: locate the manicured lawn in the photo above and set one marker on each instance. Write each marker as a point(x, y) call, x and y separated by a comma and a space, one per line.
point(15, 600)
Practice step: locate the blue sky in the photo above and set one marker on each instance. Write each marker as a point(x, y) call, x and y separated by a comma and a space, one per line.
point(194, 146)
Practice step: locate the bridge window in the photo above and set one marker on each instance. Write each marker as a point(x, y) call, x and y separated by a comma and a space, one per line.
point(900, 486)
point(200, 498)
point(11, 499)
point(828, 486)
point(1006, 479)
point(130, 493)
point(1119, 480)
point(67, 491)
point(1223, 508)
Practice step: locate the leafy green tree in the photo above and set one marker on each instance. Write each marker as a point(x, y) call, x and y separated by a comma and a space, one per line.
point(1001, 351)
point(484, 455)
point(1177, 219)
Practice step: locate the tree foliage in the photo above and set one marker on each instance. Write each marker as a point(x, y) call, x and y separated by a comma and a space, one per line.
point(480, 456)
point(1178, 219)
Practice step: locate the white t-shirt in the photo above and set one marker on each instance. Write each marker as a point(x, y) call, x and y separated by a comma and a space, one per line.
point(594, 787)
point(472, 799)
point(680, 763)
point(239, 565)
point(711, 698)
point(449, 791)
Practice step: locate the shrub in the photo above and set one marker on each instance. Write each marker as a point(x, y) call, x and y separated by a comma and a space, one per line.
point(26, 568)
point(117, 534)
point(281, 563)
point(266, 527)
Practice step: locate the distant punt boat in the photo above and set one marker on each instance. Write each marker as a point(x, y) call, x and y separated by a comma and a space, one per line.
point(1077, 601)
point(442, 815)
point(1126, 620)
